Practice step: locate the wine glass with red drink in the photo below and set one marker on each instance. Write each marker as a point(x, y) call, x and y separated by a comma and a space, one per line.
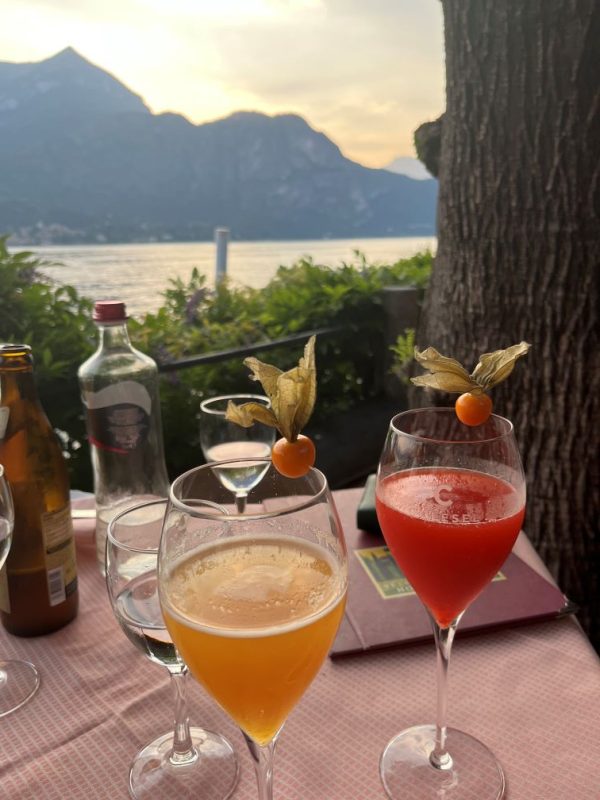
point(450, 501)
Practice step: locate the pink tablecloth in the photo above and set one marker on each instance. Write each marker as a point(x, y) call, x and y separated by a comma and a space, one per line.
point(531, 693)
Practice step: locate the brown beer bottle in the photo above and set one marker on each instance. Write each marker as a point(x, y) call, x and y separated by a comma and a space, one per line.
point(38, 585)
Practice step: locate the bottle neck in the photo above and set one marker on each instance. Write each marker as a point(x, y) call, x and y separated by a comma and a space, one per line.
point(114, 336)
point(16, 375)
point(17, 385)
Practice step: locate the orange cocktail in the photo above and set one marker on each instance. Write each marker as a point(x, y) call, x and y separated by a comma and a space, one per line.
point(254, 618)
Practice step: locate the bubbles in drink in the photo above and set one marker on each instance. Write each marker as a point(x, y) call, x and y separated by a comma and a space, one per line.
point(264, 583)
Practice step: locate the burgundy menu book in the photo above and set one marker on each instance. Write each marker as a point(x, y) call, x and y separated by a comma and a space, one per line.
point(382, 610)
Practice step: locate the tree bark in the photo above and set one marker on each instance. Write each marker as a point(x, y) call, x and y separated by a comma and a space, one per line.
point(428, 143)
point(519, 251)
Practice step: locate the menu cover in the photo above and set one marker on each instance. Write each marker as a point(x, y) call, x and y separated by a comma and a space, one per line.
point(382, 610)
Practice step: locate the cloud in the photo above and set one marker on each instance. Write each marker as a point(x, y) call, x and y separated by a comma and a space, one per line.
point(366, 73)
point(358, 70)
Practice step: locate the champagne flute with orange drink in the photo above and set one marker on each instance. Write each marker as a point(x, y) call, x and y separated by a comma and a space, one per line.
point(450, 499)
point(253, 598)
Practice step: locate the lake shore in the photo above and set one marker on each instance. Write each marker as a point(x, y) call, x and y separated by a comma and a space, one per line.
point(138, 274)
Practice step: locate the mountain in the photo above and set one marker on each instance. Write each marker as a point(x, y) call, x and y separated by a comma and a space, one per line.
point(82, 158)
point(411, 167)
point(64, 85)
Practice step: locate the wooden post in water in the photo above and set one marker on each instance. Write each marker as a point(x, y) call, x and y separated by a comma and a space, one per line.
point(221, 240)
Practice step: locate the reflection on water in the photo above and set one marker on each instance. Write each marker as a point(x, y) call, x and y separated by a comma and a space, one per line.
point(138, 273)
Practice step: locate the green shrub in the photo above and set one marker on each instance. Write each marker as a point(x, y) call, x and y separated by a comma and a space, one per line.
point(194, 319)
point(56, 323)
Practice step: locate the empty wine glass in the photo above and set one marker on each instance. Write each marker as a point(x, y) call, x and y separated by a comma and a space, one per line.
point(19, 680)
point(253, 600)
point(222, 440)
point(450, 501)
point(186, 762)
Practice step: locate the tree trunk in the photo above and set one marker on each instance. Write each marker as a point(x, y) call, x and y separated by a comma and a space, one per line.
point(519, 251)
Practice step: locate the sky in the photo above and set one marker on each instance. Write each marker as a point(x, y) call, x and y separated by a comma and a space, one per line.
point(366, 73)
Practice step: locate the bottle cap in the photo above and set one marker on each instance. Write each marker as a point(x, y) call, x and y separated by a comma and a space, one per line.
point(15, 357)
point(15, 349)
point(109, 311)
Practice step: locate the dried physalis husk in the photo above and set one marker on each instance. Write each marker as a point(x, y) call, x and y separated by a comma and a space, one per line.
point(449, 375)
point(292, 395)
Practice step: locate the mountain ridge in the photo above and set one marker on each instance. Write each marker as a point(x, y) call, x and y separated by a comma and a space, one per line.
point(411, 167)
point(83, 159)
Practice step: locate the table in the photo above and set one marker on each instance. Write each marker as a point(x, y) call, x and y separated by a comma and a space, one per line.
point(531, 693)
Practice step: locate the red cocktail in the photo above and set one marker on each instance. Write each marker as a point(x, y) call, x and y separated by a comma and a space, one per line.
point(450, 501)
point(449, 530)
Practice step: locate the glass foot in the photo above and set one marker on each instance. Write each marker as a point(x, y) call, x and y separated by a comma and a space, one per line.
point(19, 681)
point(407, 773)
point(213, 775)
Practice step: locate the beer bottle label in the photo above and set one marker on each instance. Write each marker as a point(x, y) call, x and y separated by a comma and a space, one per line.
point(59, 554)
point(118, 416)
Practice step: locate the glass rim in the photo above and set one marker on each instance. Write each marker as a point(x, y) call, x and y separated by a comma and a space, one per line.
point(239, 396)
point(131, 548)
point(181, 505)
point(439, 440)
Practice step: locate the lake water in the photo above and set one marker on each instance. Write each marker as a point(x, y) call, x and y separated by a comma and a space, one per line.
point(139, 273)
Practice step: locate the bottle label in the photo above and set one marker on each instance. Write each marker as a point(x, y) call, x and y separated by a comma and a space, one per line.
point(119, 416)
point(59, 547)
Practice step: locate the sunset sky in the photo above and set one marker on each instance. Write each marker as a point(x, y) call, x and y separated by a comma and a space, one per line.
point(365, 72)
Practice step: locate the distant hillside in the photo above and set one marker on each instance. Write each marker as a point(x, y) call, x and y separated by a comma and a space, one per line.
point(411, 167)
point(82, 159)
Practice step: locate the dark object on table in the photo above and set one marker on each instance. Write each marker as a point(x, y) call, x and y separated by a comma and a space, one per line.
point(366, 515)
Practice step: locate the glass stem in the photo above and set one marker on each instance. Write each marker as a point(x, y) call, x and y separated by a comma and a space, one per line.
point(440, 758)
point(263, 766)
point(240, 502)
point(183, 751)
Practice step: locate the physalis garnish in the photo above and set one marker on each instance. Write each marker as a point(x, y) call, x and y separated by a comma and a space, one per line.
point(292, 395)
point(474, 405)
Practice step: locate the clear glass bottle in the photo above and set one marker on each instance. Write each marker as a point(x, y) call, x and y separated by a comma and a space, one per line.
point(119, 388)
point(38, 585)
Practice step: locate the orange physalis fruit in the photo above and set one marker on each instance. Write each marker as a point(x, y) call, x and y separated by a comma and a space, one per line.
point(293, 459)
point(473, 409)
point(292, 395)
point(474, 406)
